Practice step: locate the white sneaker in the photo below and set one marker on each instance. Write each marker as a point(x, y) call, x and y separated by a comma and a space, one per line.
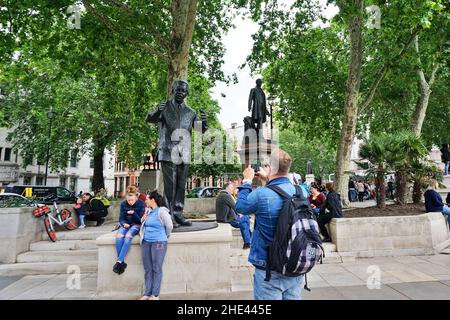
point(82, 226)
point(153, 298)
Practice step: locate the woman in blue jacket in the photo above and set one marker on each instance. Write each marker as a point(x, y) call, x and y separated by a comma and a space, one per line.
point(131, 212)
point(156, 228)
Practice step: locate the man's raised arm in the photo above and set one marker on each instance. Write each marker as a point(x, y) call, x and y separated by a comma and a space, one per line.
point(154, 115)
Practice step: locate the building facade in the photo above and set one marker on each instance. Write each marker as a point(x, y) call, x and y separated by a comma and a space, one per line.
point(76, 177)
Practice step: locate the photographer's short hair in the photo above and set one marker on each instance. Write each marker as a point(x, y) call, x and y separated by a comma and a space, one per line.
point(281, 162)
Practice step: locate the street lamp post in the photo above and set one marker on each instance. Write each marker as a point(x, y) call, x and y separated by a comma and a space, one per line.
point(50, 115)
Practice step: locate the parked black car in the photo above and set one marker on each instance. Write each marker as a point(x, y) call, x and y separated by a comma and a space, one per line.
point(44, 194)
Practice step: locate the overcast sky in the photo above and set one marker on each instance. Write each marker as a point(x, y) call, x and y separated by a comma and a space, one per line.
point(238, 44)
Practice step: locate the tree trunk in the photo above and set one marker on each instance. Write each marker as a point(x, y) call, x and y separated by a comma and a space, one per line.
point(98, 180)
point(424, 93)
point(351, 103)
point(183, 16)
point(380, 190)
point(401, 185)
point(417, 191)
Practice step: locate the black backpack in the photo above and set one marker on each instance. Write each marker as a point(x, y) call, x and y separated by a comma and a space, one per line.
point(296, 247)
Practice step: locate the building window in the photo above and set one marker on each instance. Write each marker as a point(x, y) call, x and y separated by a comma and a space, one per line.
point(73, 184)
point(16, 156)
point(90, 183)
point(91, 165)
point(27, 180)
point(7, 154)
point(1, 149)
point(73, 159)
point(39, 181)
point(62, 181)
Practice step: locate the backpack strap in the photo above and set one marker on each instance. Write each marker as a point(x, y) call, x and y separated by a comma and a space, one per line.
point(279, 191)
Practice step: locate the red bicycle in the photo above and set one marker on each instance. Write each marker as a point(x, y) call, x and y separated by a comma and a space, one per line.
point(62, 218)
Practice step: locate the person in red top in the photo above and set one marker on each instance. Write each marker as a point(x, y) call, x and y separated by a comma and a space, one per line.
point(317, 198)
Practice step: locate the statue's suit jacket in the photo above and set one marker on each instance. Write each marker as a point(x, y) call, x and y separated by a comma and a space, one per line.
point(257, 102)
point(173, 117)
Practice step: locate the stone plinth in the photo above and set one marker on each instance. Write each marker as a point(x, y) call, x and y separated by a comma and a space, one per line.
point(196, 262)
point(309, 178)
point(151, 180)
point(18, 229)
point(248, 153)
point(391, 236)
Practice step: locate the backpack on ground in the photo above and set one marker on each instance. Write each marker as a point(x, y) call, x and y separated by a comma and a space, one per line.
point(296, 247)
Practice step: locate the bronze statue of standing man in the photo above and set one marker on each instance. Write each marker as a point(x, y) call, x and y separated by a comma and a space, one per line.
point(175, 118)
point(258, 106)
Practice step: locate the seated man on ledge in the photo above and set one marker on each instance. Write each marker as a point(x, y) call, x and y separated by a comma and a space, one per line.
point(226, 212)
point(433, 200)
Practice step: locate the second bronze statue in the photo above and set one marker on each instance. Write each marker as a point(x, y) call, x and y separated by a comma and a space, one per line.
point(170, 116)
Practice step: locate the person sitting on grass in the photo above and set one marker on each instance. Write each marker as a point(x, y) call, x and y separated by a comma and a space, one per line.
point(131, 211)
point(155, 231)
point(226, 212)
point(433, 201)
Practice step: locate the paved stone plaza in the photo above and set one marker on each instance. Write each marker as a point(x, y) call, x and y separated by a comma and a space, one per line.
point(407, 277)
point(41, 273)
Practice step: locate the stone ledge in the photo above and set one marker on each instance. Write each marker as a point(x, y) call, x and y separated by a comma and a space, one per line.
point(220, 234)
point(389, 236)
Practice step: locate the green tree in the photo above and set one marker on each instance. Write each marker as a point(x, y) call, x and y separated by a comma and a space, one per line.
point(376, 151)
point(301, 149)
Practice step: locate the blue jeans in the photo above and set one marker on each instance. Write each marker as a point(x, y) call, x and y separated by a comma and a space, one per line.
point(446, 166)
point(123, 240)
point(243, 223)
point(80, 212)
point(446, 212)
point(316, 211)
point(278, 288)
point(153, 254)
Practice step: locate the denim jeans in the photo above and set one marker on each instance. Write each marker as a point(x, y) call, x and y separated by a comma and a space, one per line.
point(278, 288)
point(80, 212)
point(153, 254)
point(316, 211)
point(446, 166)
point(446, 212)
point(243, 223)
point(123, 240)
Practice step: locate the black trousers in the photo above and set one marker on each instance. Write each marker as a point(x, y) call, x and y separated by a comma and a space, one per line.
point(361, 196)
point(174, 185)
point(322, 220)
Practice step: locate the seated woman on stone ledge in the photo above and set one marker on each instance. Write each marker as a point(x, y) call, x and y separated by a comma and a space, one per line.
point(433, 201)
point(156, 228)
point(131, 211)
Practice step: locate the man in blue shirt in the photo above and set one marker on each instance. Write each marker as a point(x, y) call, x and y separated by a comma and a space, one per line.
point(266, 205)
